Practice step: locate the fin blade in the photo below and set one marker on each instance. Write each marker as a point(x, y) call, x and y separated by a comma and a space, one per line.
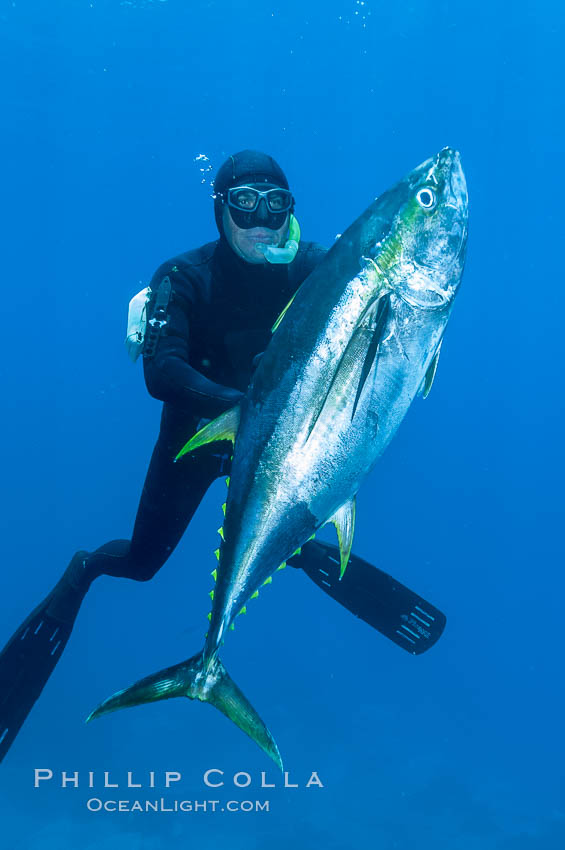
point(398, 613)
point(224, 427)
point(430, 374)
point(210, 684)
point(344, 521)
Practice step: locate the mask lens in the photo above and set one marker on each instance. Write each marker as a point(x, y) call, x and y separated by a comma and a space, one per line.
point(279, 200)
point(244, 199)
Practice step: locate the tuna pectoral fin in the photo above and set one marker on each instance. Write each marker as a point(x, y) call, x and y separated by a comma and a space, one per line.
point(190, 679)
point(380, 317)
point(224, 427)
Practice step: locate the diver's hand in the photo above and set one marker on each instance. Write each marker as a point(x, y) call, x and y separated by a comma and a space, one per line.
point(256, 360)
point(233, 396)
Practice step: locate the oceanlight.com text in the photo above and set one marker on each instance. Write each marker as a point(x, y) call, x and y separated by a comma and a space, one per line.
point(95, 804)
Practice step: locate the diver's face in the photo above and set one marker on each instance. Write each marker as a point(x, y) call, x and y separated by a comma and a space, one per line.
point(244, 242)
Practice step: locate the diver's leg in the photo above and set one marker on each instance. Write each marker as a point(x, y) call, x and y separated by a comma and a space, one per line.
point(375, 597)
point(171, 494)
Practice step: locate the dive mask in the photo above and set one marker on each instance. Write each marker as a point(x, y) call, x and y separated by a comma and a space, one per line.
point(251, 207)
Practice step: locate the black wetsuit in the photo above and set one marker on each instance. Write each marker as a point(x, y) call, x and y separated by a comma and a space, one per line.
point(221, 312)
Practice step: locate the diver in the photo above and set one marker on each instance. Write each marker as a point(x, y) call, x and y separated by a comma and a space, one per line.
point(201, 328)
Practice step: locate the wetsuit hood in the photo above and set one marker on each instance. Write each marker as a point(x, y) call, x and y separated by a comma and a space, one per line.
point(245, 167)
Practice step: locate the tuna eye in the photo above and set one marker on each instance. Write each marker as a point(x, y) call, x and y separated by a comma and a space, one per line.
point(426, 198)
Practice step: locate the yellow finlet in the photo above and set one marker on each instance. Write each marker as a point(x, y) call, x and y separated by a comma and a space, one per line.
point(268, 580)
point(217, 554)
point(211, 595)
point(221, 533)
point(243, 611)
point(214, 574)
point(254, 595)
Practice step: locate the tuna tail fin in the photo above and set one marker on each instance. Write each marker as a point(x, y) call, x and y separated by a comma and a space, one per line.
point(191, 679)
point(227, 697)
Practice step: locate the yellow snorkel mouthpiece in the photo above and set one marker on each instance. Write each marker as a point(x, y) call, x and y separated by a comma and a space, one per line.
point(290, 250)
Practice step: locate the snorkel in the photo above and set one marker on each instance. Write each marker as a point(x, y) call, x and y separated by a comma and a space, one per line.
point(287, 254)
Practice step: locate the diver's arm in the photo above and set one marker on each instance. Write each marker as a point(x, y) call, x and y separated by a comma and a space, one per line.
point(169, 376)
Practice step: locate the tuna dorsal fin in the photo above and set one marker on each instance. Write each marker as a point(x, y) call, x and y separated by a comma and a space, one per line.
point(223, 428)
point(344, 521)
point(282, 315)
point(430, 374)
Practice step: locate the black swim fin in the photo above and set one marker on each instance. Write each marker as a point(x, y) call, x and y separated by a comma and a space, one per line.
point(31, 654)
point(375, 597)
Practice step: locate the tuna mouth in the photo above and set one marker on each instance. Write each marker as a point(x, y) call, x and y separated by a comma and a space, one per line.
point(449, 161)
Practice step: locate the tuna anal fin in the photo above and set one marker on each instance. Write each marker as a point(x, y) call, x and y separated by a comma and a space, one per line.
point(344, 521)
point(191, 679)
point(224, 427)
point(430, 374)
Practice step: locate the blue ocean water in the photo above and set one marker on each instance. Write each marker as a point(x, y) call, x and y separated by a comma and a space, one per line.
point(106, 109)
